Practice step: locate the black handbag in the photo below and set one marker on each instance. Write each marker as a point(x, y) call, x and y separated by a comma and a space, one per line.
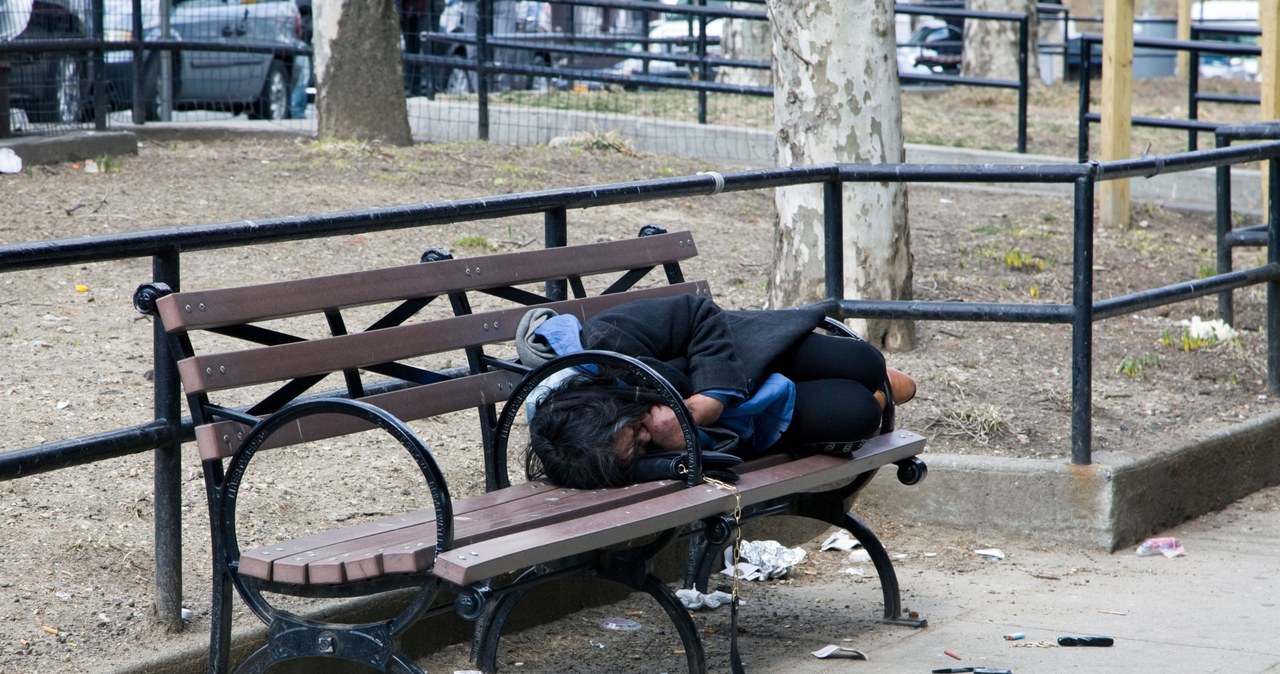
point(675, 465)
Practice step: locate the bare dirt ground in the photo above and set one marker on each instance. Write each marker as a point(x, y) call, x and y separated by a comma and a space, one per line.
point(75, 545)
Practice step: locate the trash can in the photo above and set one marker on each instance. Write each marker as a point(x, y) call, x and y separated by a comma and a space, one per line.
point(1151, 63)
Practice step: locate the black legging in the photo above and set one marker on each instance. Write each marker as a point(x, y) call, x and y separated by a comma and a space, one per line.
point(835, 378)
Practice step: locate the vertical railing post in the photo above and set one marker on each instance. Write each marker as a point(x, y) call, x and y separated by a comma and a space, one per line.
point(1226, 311)
point(1273, 287)
point(167, 463)
point(139, 101)
point(1023, 64)
point(704, 70)
point(99, 78)
point(1082, 104)
point(555, 225)
point(833, 237)
point(484, 25)
point(1193, 92)
point(1082, 327)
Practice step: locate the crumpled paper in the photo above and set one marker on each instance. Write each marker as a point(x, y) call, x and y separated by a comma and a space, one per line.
point(1168, 546)
point(694, 600)
point(10, 162)
point(840, 540)
point(762, 560)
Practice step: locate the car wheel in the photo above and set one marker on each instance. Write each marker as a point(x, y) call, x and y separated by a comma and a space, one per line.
point(459, 83)
point(65, 104)
point(273, 102)
point(151, 95)
point(70, 90)
point(540, 83)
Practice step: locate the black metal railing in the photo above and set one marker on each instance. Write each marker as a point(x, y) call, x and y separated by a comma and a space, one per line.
point(1019, 84)
point(1192, 124)
point(165, 246)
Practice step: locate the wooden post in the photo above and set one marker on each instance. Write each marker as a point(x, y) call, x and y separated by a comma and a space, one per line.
point(1184, 33)
point(1269, 71)
point(1117, 98)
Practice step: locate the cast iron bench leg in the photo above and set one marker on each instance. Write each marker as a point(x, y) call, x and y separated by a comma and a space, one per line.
point(366, 645)
point(220, 619)
point(884, 569)
point(484, 647)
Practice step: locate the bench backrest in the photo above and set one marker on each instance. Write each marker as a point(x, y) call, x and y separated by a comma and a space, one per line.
point(271, 358)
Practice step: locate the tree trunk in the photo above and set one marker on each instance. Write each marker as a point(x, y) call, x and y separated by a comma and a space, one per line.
point(749, 41)
point(359, 81)
point(991, 47)
point(837, 100)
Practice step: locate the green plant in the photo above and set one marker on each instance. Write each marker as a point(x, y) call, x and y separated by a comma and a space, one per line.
point(1206, 270)
point(1135, 366)
point(475, 241)
point(1185, 341)
point(108, 164)
point(1019, 261)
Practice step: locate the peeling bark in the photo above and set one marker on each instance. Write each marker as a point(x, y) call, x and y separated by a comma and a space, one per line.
point(991, 47)
point(837, 100)
point(360, 88)
point(748, 41)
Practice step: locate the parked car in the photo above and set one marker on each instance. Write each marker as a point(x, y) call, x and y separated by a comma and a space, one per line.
point(512, 19)
point(672, 37)
point(1233, 21)
point(549, 23)
point(50, 86)
point(256, 83)
point(935, 47)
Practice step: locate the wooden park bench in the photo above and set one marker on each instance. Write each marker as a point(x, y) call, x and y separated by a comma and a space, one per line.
point(480, 554)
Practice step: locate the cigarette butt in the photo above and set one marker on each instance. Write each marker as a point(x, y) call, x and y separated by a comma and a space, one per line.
point(49, 630)
point(950, 655)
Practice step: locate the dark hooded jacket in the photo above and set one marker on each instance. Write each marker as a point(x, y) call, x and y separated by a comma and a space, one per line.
point(697, 345)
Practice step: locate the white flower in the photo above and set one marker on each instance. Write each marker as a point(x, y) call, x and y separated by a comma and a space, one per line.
point(1216, 329)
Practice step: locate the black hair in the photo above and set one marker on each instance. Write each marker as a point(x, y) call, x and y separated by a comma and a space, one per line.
point(572, 432)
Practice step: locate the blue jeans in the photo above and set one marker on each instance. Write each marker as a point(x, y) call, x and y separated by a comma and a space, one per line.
point(301, 78)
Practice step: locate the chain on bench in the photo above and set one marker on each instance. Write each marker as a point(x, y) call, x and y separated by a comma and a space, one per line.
point(735, 660)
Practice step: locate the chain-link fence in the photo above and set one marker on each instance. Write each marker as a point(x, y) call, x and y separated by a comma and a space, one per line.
point(74, 64)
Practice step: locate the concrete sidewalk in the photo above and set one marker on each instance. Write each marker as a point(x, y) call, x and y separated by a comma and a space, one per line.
point(1213, 610)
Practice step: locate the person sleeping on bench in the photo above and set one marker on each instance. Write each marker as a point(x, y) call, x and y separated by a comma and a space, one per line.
point(751, 380)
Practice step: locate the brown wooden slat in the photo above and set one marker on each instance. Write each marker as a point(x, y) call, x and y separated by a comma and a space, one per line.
point(537, 515)
point(413, 548)
point(257, 562)
point(486, 559)
point(219, 440)
point(233, 369)
point(203, 309)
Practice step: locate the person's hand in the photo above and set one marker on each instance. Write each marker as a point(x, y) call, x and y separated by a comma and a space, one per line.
point(664, 428)
point(705, 409)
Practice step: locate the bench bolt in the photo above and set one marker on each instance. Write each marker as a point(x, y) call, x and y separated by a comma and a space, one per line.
point(326, 642)
point(471, 603)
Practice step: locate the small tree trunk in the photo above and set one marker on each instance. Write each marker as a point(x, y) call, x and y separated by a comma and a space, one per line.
point(991, 47)
point(837, 100)
point(359, 79)
point(749, 41)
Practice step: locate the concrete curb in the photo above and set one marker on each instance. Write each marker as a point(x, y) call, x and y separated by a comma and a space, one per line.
point(1113, 502)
